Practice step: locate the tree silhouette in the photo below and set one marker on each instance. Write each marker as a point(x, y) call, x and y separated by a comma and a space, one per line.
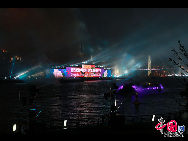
point(181, 58)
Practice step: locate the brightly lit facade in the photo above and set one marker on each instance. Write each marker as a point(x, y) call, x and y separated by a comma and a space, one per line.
point(73, 71)
point(149, 65)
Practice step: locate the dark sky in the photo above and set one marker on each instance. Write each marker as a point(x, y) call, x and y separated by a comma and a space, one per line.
point(47, 35)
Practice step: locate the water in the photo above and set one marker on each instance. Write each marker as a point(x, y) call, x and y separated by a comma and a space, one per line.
point(81, 103)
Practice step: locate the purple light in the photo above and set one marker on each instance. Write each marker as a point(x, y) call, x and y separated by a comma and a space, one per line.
point(134, 87)
point(161, 86)
point(141, 89)
point(121, 87)
point(138, 89)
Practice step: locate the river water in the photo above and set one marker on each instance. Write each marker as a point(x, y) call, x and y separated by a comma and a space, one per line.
point(82, 103)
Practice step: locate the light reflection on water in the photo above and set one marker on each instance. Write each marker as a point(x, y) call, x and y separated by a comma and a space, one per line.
point(83, 103)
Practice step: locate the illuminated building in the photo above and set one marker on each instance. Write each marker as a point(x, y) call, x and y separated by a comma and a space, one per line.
point(4, 55)
point(149, 65)
point(15, 58)
point(9, 65)
point(5, 64)
point(116, 72)
point(76, 71)
point(91, 58)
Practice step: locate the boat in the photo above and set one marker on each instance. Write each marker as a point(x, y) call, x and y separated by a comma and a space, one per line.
point(131, 88)
point(126, 89)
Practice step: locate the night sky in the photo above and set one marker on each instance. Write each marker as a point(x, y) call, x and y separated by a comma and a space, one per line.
point(54, 36)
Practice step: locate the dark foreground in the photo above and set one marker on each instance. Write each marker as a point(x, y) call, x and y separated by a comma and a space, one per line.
point(145, 130)
point(83, 103)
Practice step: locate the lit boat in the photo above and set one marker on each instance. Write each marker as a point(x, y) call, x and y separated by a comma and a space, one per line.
point(126, 89)
point(130, 88)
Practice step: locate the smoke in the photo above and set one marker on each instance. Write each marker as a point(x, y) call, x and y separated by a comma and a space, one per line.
point(137, 31)
point(54, 35)
point(41, 35)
